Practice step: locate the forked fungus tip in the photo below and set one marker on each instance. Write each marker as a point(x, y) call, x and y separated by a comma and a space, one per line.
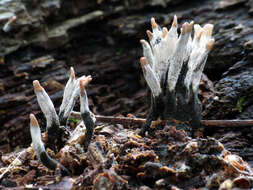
point(197, 31)
point(184, 28)
point(36, 85)
point(208, 28)
point(188, 27)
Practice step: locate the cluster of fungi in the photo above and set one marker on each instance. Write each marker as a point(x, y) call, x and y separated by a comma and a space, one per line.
point(172, 67)
point(55, 123)
point(112, 158)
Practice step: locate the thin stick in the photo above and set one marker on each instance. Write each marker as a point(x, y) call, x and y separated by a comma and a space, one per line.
point(140, 121)
point(113, 120)
point(227, 123)
point(13, 163)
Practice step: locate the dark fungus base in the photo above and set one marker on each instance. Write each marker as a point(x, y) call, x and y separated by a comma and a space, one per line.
point(181, 104)
point(89, 123)
point(53, 164)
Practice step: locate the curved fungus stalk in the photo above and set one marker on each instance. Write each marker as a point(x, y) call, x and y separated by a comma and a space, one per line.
point(86, 115)
point(39, 148)
point(172, 66)
point(56, 122)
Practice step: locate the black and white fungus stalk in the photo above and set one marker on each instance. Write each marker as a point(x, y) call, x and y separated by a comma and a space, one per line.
point(70, 95)
point(47, 107)
point(87, 117)
point(69, 88)
point(39, 148)
point(56, 124)
point(172, 68)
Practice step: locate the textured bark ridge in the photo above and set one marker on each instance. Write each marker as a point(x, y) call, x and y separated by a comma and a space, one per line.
point(172, 68)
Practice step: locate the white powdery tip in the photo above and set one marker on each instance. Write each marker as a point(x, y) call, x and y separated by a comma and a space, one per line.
point(33, 121)
point(45, 103)
point(72, 73)
point(150, 77)
point(186, 28)
point(37, 87)
point(35, 131)
point(174, 23)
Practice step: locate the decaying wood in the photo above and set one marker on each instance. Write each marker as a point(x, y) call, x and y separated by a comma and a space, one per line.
point(139, 121)
point(118, 157)
point(12, 165)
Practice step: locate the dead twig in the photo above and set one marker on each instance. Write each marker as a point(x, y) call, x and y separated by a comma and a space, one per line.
point(112, 120)
point(227, 123)
point(140, 121)
point(14, 163)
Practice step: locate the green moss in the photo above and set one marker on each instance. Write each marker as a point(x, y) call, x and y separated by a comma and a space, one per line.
point(74, 120)
point(119, 53)
point(239, 104)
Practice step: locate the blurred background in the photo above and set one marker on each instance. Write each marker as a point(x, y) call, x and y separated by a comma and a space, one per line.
point(41, 39)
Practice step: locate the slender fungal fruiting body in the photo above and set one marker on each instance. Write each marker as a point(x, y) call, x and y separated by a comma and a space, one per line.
point(39, 148)
point(89, 121)
point(7, 27)
point(47, 107)
point(55, 124)
point(69, 97)
point(87, 117)
point(172, 67)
